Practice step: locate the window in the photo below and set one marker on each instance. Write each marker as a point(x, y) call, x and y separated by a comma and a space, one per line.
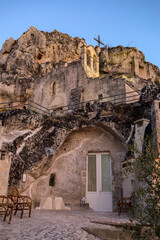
point(39, 56)
point(100, 96)
point(2, 155)
point(139, 124)
point(52, 180)
point(106, 173)
point(53, 87)
point(99, 172)
point(88, 58)
point(92, 173)
point(95, 63)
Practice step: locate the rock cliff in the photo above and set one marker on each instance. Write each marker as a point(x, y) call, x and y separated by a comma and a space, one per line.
point(128, 60)
point(46, 68)
point(32, 56)
point(37, 53)
point(32, 140)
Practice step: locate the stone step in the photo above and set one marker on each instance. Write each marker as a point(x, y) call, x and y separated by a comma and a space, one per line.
point(107, 233)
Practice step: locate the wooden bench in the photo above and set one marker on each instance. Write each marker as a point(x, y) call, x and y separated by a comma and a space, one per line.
point(6, 207)
point(21, 203)
point(124, 204)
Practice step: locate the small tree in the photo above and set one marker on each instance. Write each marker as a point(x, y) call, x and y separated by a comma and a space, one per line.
point(146, 196)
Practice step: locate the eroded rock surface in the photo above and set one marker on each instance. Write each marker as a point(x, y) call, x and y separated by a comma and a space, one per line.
point(46, 68)
point(128, 60)
point(34, 55)
point(34, 136)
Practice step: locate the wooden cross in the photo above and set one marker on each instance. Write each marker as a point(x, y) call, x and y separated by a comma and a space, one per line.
point(99, 41)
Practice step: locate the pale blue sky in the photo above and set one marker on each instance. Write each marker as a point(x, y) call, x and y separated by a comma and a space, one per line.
point(119, 22)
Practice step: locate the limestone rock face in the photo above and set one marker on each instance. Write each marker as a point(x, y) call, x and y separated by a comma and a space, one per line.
point(7, 46)
point(34, 55)
point(46, 69)
point(128, 60)
point(41, 147)
point(34, 140)
point(30, 60)
point(150, 93)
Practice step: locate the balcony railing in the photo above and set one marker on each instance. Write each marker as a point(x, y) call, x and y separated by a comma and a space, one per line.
point(119, 99)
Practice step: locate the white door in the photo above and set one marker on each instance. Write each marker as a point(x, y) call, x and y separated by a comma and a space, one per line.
point(99, 192)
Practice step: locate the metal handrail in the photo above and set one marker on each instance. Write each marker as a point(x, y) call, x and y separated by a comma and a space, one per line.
point(48, 111)
point(38, 108)
point(38, 105)
point(12, 107)
point(9, 102)
point(93, 100)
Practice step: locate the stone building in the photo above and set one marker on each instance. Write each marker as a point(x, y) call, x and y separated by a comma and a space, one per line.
point(91, 96)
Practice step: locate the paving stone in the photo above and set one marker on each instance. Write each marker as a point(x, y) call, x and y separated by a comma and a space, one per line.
point(54, 225)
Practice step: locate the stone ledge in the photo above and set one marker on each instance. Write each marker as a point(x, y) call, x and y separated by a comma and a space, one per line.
point(106, 233)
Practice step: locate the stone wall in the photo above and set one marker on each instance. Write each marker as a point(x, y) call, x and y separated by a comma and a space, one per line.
point(35, 63)
point(131, 94)
point(36, 54)
point(59, 145)
point(90, 61)
point(5, 163)
point(69, 166)
point(49, 69)
point(71, 78)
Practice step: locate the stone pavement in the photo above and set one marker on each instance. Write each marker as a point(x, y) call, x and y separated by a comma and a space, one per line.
point(54, 225)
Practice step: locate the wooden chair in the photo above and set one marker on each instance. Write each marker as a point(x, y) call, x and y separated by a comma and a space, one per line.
point(6, 207)
point(21, 203)
point(124, 203)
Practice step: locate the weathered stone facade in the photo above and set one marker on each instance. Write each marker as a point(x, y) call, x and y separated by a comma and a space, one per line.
point(128, 60)
point(70, 162)
point(60, 72)
point(38, 56)
point(5, 163)
point(42, 147)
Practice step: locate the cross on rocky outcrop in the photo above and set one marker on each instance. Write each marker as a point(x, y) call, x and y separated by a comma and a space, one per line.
point(99, 41)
